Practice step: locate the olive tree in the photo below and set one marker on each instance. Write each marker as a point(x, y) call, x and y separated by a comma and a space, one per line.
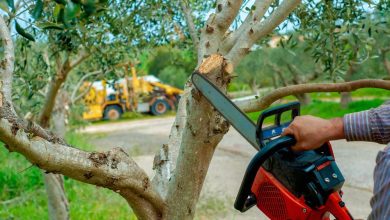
point(181, 165)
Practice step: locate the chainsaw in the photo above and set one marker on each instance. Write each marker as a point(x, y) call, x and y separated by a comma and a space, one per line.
point(282, 183)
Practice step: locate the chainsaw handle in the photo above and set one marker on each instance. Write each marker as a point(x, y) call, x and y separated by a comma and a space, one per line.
point(277, 128)
point(246, 198)
point(337, 208)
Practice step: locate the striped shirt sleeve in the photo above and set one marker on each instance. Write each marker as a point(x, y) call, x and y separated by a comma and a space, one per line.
point(371, 125)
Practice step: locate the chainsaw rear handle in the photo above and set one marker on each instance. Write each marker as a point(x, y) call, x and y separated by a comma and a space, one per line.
point(245, 198)
point(265, 134)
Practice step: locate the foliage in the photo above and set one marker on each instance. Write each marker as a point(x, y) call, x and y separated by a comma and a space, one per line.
point(172, 65)
point(341, 32)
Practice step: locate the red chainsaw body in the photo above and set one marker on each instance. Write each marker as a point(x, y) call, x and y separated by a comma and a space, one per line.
point(275, 201)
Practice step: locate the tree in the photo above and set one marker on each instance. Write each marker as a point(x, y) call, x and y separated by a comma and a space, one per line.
point(181, 165)
point(65, 30)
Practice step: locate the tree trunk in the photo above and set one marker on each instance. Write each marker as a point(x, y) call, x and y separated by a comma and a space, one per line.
point(58, 204)
point(202, 131)
point(386, 63)
point(346, 97)
point(304, 99)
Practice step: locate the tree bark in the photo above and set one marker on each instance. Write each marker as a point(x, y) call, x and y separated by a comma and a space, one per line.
point(58, 204)
point(386, 63)
point(202, 131)
point(345, 97)
point(305, 98)
point(57, 201)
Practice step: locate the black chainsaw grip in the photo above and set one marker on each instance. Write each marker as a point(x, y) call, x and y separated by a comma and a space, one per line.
point(245, 198)
point(277, 111)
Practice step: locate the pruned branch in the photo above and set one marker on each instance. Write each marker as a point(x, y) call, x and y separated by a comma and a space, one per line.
point(259, 104)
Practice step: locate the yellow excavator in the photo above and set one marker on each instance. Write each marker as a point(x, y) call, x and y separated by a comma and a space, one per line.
point(110, 99)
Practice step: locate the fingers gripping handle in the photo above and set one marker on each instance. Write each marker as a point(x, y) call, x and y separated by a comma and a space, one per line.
point(245, 198)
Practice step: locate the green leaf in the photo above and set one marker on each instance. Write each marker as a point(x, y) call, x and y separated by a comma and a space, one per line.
point(38, 9)
point(89, 7)
point(57, 10)
point(60, 16)
point(71, 11)
point(22, 32)
point(50, 25)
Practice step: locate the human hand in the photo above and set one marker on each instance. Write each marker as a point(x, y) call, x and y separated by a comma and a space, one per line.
point(312, 132)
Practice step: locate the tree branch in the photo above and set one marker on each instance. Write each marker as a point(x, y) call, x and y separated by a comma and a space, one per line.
point(261, 7)
point(80, 57)
point(114, 169)
point(259, 104)
point(63, 69)
point(216, 27)
point(259, 29)
point(190, 23)
point(73, 97)
point(7, 63)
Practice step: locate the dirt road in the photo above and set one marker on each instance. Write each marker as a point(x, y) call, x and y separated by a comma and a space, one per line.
point(144, 137)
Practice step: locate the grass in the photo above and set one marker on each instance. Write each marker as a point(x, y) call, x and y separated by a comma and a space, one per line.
point(22, 191)
point(327, 109)
point(210, 206)
point(360, 93)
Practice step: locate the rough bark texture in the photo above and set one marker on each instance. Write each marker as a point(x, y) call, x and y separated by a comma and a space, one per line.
point(113, 169)
point(203, 130)
point(196, 135)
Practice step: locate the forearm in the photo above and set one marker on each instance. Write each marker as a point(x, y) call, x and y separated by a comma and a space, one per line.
point(336, 132)
point(372, 125)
